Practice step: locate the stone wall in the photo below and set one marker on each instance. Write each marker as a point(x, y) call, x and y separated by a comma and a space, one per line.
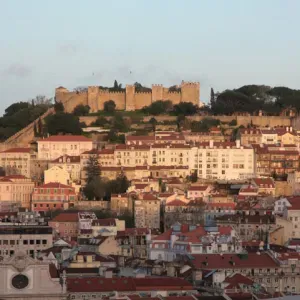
point(128, 100)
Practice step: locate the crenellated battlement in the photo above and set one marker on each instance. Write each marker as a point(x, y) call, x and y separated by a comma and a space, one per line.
point(131, 98)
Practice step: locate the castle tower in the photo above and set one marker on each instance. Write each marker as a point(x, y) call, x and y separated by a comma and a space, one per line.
point(130, 101)
point(93, 92)
point(60, 92)
point(157, 92)
point(190, 92)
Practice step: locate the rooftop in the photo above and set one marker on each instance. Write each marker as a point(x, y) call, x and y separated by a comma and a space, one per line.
point(66, 138)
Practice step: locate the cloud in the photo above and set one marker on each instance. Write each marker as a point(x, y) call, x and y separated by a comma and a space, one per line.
point(17, 70)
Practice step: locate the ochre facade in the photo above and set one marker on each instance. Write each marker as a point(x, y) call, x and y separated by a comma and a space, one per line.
point(129, 99)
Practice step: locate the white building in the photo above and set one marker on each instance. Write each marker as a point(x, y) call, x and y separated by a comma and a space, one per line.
point(223, 160)
point(56, 146)
point(280, 205)
point(269, 136)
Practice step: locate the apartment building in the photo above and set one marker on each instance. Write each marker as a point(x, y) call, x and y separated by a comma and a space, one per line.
point(226, 161)
point(249, 136)
point(56, 146)
point(52, 196)
point(291, 212)
point(16, 161)
point(69, 163)
point(29, 238)
point(16, 188)
point(286, 136)
point(131, 156)
point(147, 211)
point(276, 159)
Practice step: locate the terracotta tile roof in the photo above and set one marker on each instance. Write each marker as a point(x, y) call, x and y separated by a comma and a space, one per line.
point(98, 284)
point(264, 182)
point(250, 131)
point(236, 280)
point(54, 185)
point(226, 205)
point(176, 202)
point(17, 150)
point(66, 217)
point(141, 186)
point(98, 257)
point(64, 159)
point(201, 188)
point(106, 151)
point(148, 196)
point(233, 261)
point(294, 242)
point(66, 138)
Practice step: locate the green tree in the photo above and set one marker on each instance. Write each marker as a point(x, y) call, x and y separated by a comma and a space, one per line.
point(233, 122)
point(153, 122)
point(185, 108)
point(179, 121)
point(92, 168)
point(119, 123)
point(101, 122)
point(35, 130)
point(81, 110)
point(40, 127)
point(193, 177)
point(59, 107)
point(63, 123)
point(158, 107)
point(114, 137)
point(110, 106)
point(212, 96)
point(95, 189)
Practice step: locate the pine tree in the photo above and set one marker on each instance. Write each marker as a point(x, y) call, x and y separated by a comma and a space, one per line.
point(93, 168)
point(40, 130)
point(212, 96)
point(35, 130)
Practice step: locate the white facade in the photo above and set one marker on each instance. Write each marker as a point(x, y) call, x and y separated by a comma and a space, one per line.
point(55, 146)
point(222, 161)
point(279, 205)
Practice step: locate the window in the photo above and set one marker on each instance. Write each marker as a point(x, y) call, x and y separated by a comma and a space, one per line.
point(44, 242)
point(25, 242)
point(31, 242)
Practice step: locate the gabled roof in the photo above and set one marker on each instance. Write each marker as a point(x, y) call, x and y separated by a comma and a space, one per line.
point(104, 222)
point(233, 261)
point(66, 138)
point(236, 280)
point(264, 182)
point(66, 217)
point(201, 188)
point(17, 150)
point(54, 185)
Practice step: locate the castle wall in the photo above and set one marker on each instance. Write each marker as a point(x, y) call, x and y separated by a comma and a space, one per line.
point(142, 99)
point(118, 97)
point(174, 97)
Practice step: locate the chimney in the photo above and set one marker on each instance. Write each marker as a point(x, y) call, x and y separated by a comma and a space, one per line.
point(238, 143)
point(211, 144)
point(287, 129)
point(291, 129)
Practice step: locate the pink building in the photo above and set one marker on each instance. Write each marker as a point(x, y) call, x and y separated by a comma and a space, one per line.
point(52, 196)
point(65, 225)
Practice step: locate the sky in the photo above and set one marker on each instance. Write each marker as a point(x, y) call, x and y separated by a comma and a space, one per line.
point(223, 44)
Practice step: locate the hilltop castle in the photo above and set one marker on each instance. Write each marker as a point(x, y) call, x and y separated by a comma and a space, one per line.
point(129, 98)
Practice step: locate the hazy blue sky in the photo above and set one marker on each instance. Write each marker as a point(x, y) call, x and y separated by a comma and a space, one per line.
point(221, 43)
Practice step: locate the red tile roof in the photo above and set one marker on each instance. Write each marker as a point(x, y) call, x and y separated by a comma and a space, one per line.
point(140, 138)
point(54, 185)
point(264, 182)
point(148, 196)
point(66, 138)
point(198, 188)
point(233, 261)
point(176, 202)
point(236, 280)
point(17, 150)
point(66, 217)
point(98, 284)
point(133, 231)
